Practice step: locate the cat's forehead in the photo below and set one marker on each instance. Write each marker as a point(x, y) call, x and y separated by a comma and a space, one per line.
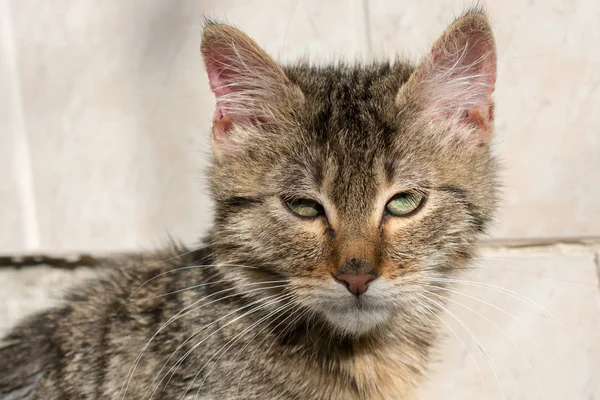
point(350, 103)
point(350, 110)
point(349, 128)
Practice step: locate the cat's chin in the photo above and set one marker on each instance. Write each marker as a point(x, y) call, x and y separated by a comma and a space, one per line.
point(355, 321)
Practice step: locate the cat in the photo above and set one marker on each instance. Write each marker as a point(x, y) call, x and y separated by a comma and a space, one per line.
point(346, 197)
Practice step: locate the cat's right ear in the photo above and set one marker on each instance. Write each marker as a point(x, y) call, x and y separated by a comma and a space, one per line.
point(455, 82)
point(250, 88)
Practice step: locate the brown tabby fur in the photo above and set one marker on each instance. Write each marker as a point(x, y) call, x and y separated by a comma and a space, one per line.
point(349, 136)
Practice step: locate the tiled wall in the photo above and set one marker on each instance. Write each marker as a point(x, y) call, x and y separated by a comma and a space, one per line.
point(105, 108)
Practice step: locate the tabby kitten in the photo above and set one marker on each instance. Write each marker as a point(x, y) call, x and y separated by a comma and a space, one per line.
point(346, 196)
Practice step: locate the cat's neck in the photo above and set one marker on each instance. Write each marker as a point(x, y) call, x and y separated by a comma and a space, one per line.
point(386, 363)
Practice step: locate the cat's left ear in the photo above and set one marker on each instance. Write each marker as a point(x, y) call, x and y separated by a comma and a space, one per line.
point(454, 84)
point(249, 86)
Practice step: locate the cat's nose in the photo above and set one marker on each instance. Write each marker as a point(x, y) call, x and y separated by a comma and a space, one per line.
point(356, 274)
point(356, 284)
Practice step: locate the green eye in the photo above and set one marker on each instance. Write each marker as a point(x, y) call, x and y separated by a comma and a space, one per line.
point(305, 208)
point(404, 203)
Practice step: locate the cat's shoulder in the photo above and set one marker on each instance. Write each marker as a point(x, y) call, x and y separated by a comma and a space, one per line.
point(125, 294)
point(138, 281)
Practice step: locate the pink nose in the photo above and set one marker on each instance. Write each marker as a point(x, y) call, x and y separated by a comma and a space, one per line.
point(356, 284)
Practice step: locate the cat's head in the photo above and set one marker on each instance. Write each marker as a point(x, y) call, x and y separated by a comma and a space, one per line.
point(360, 185)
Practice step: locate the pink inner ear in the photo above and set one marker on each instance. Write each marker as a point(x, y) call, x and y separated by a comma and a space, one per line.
point(216, 83)
point(460, 80)
point(220, 79)
point(221, 123)
point(247, 83)
point(221, 120)
point(223, 83)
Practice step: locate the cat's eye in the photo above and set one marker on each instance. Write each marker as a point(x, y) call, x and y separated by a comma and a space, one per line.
point(404, 203)
point(305, 208)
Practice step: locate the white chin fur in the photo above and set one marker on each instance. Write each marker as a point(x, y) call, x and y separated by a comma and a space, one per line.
point(355, 321)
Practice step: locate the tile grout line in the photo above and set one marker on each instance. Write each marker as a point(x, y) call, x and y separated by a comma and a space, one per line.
point(597, 264)
point(71, 259)
point(16, 125)
point(590, 244)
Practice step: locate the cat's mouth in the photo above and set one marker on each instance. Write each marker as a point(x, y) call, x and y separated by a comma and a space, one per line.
point(358, 319)
point(356, 315)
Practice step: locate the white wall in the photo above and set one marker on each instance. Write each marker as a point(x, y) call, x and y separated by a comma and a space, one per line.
point(106, 109)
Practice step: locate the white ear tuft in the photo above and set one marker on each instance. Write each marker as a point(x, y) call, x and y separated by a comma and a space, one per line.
point(456, 81)
point(247, 83)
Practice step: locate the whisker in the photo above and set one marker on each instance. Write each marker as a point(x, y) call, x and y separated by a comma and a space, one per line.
point(206, 284)
point(231, 342)
point(269, 349)
point(461, 342)
point(484, 302)
point(180, 269)
point(446, 298)
point(508, 292)
point(183, 312)
point(572, 379)
point(193, 335)
point(173, 369)
point(422, 314)
point(195, 249)
point(474, 337)
point(240, 335)
point(584, 284)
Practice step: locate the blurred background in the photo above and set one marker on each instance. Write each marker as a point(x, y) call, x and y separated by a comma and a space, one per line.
point(104, 119)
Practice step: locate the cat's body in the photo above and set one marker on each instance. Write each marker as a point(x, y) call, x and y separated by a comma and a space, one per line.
point(345, 197)
point(87, 348)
